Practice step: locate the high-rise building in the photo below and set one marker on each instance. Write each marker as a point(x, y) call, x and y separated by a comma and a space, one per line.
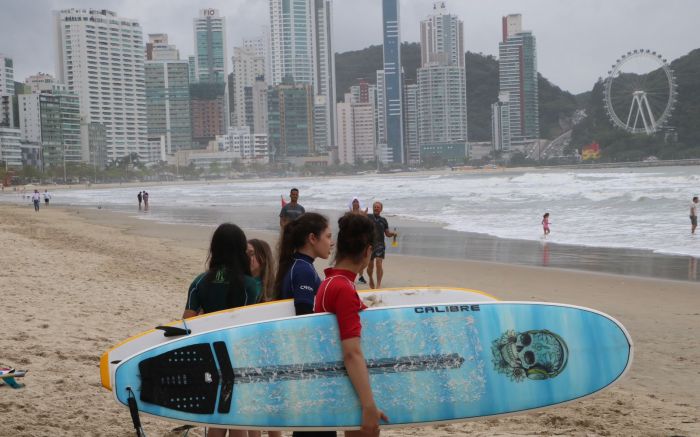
point(518, 77)
point(210, 46)
point(248, 67)
point(94, 136)
point(7, 91)
point(325, 125)
point(411, 124)
point(290, 121)
point(500, 123)
point(53, 120)
point(442, 37)
point(207, 108)
point(100, 58)
point(158, 49)
point(292, 42)
point(356, 131)
point(442, 89)
point(393, 88)
point(243, 145)
point(41, 82)
point(301, 52)
point(193, 69)
point(260, 112)
point(10, 147)
point(168, 104)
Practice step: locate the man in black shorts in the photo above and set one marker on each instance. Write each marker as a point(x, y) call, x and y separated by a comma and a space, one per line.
point(292, 210)
point(381, 230)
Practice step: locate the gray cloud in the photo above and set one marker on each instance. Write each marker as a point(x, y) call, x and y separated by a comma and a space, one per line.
point(577, 40)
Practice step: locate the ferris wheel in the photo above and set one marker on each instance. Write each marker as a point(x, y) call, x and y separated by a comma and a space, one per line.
point(640, 102)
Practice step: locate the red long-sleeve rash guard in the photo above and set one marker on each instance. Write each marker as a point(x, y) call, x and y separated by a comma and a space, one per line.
point(337, 295)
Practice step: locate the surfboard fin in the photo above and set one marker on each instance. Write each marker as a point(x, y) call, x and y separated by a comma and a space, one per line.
point(173, 331)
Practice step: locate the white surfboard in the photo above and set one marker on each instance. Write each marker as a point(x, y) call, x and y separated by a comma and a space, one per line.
point(270, 311)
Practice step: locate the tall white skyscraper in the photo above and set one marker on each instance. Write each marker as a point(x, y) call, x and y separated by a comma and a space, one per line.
point(442, 88)
point(301, 51)
point(210, 46)
point(100, 58)
point(248, 67)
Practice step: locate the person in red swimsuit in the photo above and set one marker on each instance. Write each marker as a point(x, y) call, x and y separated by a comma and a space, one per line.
point(337, 295)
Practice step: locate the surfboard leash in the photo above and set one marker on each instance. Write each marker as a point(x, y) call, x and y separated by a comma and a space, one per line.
point(134, 410)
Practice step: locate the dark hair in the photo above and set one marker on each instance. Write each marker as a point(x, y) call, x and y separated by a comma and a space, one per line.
point(546, 214)
point(294, 235)
point(695, 198)
point(355, 233)
point(293, 190)
point(227, 253)
point(263, 255)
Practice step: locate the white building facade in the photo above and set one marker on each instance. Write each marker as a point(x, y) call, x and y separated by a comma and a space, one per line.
point(442, 87)
point(100, 58)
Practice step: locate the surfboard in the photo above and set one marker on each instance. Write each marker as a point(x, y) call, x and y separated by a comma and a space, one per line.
point(274, 310)
point(428, 364)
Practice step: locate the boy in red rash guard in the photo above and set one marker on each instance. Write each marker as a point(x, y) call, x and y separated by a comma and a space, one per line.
point(337, 295)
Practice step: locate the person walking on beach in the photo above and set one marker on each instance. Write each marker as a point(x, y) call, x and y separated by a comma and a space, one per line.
point(227, 283)
point(356, 208)
point(337, 295)
point(292, 210)
point(36, 200)
point(303, 240)
point(694, 215)
point(145, 200)
point(381, 230)
point(545, 224)
point(47, 197)
point(140, 198)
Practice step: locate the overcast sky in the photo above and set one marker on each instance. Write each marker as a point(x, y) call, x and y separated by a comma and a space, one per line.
point(577, 40)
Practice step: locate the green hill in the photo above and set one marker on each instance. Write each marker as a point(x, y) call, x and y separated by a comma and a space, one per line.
point(618, 145)
point(556, 106)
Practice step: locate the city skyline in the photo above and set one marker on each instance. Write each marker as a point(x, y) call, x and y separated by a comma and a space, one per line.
point(600, 31)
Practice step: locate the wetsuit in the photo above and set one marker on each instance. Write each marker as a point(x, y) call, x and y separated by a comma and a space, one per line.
point(211, 296)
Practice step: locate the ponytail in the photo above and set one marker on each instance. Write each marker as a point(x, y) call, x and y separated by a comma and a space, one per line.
point(294, 237)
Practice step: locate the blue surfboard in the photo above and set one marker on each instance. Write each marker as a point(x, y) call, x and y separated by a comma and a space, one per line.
point(428, 364)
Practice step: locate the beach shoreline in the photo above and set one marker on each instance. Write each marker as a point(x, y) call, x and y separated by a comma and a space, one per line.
point(81, 282)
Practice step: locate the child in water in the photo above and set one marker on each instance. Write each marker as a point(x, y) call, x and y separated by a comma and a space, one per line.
point(545, 223)
point(337, 295)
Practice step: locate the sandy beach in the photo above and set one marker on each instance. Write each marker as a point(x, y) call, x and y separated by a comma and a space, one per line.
point(76, 281)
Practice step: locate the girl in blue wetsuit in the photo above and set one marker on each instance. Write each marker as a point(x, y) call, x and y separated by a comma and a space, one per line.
point(303, 240)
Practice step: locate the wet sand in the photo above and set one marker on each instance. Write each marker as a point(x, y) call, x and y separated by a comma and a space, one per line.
point(77, 281)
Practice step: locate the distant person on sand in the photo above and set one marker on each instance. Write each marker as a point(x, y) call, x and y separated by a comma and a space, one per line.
point(145, 200)
point(694, 215)
point(337, 295)
point(545, 223)
point(381, 230)
point(47, 197)
point(140, 198)
point(355, 207)
point(226, 284)
point(36, 200)
point(292, 210)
